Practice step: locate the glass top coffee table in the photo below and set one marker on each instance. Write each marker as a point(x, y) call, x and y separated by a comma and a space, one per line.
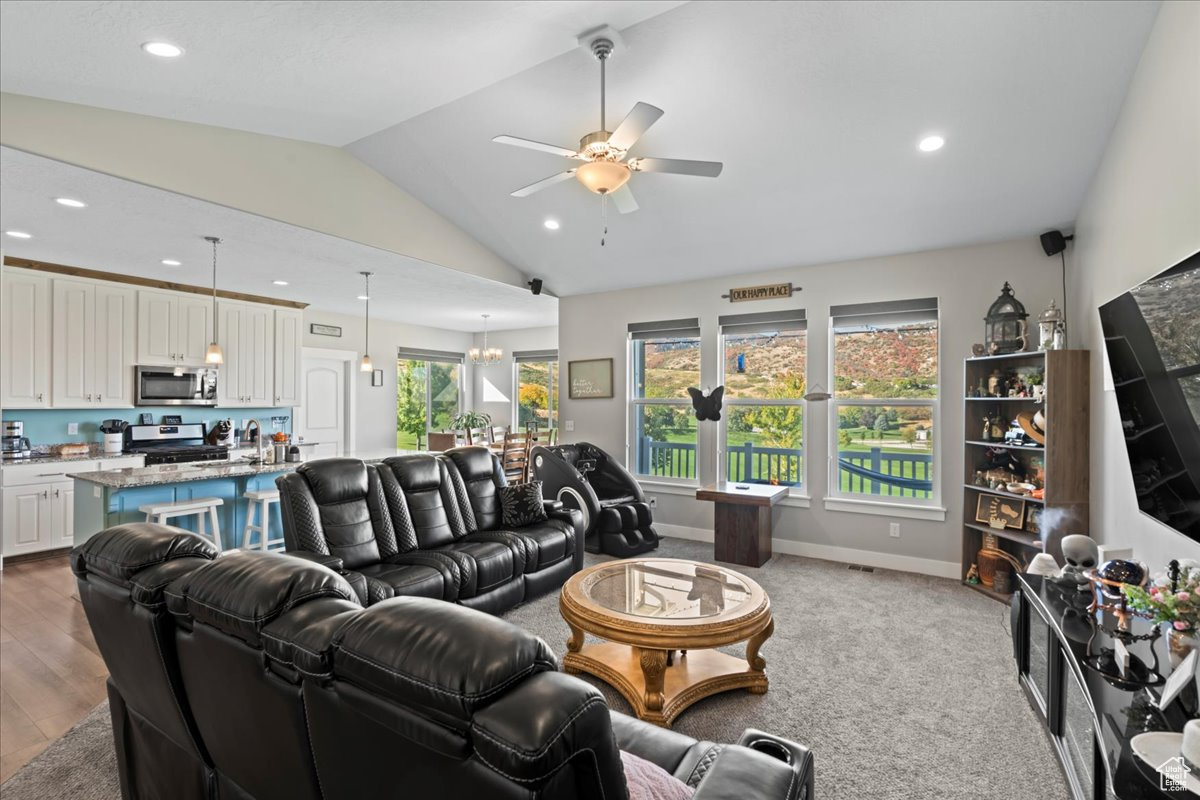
point(660, 619)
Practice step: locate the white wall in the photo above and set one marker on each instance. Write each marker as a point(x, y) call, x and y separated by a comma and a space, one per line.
point(315, 186)
point(493, 387)
point(1141, 215)
point(966, 281)
point(375, 406)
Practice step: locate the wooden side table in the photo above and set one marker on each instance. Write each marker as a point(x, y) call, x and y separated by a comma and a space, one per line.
point(742, 520)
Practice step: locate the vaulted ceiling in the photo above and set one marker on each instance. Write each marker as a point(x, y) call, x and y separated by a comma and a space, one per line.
point(815, 108)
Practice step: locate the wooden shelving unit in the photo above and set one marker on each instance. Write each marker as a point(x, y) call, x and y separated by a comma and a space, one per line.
point(1064, 508)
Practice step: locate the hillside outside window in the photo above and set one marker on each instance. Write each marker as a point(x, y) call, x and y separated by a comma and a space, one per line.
point(664, 360)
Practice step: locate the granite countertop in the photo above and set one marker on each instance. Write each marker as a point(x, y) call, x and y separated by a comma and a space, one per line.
point(40, 456)
point(161, 474)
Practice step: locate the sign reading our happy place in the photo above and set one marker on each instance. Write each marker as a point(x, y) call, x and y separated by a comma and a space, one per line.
point(769, 291)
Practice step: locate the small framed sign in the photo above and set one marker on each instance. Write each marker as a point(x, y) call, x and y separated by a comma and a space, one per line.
point(591, 379)
point(770, 291)
point(377, 377)
point(325, 330)
point(1000, 512)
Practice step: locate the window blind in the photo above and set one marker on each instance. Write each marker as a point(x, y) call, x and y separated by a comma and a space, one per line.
point(887, 314)
point(418, 354)
point(521, 356)
point(766, 322)
point(665, 329)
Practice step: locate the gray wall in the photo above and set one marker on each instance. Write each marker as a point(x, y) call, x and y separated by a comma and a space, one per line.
point(493, 386)
point(1141, 216)
point(966, 280)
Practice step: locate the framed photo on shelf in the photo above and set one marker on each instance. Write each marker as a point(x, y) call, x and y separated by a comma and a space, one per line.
point(590, 379)
point(992, 510)
point(1033, 519)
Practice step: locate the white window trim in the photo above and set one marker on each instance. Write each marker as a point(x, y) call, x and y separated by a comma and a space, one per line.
point(796, 493)
point(631, 423)
point(462, 375)
point(835, 499)
point(516, 393)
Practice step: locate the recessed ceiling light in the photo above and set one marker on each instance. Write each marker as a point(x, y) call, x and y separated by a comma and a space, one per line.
point(363, 297)
point(18, 234)
point(931, 143)
point(552, 224)
point(70, 202)
point(170, 262)
point(280, 283)
point(163, 49)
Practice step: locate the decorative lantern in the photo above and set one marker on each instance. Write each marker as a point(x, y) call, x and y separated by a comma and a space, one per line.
point(1048, 322)
point(1005, 329)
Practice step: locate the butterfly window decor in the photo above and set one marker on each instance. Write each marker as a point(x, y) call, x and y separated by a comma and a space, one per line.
point(707, 408)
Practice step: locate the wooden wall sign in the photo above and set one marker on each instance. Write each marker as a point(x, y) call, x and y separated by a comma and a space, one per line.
point(324, 330)
point(770, 291)
point(590, 379)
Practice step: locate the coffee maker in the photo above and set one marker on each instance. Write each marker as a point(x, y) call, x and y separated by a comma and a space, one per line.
point(13, 443)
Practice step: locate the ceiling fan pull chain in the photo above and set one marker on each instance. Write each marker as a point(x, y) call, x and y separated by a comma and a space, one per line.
point(604, 216)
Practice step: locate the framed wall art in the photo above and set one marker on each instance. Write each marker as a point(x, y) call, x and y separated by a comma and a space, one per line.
point(992, 510)
point(591, 379)
point(377, 377)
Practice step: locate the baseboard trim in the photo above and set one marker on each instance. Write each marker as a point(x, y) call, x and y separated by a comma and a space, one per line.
point(848, 555)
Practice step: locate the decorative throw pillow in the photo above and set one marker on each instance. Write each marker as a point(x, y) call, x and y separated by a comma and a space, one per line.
point(521, 504)
point(648, 781)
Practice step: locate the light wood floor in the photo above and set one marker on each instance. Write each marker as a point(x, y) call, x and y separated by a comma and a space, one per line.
point(51, 674)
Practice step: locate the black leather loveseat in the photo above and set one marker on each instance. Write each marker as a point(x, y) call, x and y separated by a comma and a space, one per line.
point(616, 516)
point(260, 676)
point(426, 526)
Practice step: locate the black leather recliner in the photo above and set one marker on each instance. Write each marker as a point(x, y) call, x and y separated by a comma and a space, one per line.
point(617, 518)
point(411, 697)
point(425, 526)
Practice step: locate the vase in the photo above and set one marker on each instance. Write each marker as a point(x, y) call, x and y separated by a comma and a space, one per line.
point(1180, 644)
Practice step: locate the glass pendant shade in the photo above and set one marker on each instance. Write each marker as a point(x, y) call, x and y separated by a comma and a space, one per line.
point(214, 355)
point(603, 177)
point(365, 365)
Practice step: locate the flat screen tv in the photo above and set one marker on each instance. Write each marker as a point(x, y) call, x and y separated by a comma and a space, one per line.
point(1152, 335)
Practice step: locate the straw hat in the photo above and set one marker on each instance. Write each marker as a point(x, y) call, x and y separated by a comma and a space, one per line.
point(1034, 424)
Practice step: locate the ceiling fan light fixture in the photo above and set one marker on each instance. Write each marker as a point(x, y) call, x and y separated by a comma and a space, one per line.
point(603, 177)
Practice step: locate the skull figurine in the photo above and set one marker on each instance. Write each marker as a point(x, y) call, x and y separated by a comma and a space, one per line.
point(1081, 553)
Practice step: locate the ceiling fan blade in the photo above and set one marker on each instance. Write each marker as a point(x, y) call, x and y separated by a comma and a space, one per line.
point(636, 122)
point(623, 199)
point(678, 166)
point(529, 144)
point(542, 184)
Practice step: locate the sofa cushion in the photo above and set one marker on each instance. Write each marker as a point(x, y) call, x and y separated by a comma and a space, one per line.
point(490, 564)
point(521, 504)
point(334, 480)
point(553, 540)
point(121, 552)
point(408, 580)
point(478, 477)
point(436, 655)
point(648, 781)
point(433, 508)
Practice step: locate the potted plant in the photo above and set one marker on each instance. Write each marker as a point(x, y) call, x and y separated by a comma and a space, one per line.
point(1174, 602)
point(466, 420)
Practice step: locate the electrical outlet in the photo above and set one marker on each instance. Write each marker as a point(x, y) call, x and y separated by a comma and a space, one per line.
point(894, 530)
point(652, 500)
point(569, 425)
point(72, 428)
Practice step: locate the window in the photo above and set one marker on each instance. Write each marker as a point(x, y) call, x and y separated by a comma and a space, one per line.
point(428, 394)
point(884, 410)
point(763, 360)
point(664, 360)
point(536, 379)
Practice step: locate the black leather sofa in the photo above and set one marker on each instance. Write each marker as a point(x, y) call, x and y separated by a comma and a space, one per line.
point(616, 517)
point(425, 526)
point(260, 676)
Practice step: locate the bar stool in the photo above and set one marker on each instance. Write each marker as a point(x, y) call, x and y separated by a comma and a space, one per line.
point(262, 500)
point(199, 507)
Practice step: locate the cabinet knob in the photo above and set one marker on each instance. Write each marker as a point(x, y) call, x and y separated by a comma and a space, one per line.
point(45, 494)
point(89, 398)
point(56, 492)
point(99, 398)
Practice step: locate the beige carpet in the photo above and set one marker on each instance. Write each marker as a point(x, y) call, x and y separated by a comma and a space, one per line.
point(903, 686)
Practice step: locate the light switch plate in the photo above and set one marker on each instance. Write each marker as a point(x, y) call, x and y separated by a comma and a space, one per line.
point(72, 428)
point(569, 425)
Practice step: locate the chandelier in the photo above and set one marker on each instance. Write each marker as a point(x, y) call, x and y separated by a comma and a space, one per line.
point(488, 355)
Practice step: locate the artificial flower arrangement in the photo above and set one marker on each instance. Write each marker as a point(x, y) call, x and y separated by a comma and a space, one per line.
point(1178, 605)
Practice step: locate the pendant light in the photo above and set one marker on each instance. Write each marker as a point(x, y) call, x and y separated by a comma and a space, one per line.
point(365, 365)
point(488, 355)
point(214, 355)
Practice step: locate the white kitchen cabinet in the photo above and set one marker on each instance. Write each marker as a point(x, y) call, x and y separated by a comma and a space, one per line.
point(25, 340)
point(61, 497)
point(93, 344)
point(246, 335)
point(26, 519)
point(173, 328)
point(289, 336)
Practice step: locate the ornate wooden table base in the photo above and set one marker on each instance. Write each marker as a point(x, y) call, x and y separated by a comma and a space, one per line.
point(659, 691)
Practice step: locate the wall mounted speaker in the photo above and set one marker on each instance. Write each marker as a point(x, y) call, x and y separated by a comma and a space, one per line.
point(1054, 242)
point(535, 286)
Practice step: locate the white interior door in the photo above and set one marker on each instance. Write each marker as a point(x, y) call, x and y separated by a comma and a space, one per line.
point(321, 418)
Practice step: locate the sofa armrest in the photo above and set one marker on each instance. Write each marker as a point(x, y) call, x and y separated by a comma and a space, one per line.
point(742, 773)
point(574, 517)
point(672, 751)
point(324, 559)
point(551, 506)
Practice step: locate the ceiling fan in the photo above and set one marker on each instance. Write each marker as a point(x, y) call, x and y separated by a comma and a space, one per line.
point(606, 170)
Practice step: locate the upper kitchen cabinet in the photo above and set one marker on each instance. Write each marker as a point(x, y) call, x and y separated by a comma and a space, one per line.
point(246, 334)
point(25, 340)
point(173, 328)
point(93, 336)
point(289, 336)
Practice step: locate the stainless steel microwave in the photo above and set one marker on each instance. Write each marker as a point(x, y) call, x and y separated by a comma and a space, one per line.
point(176, 386)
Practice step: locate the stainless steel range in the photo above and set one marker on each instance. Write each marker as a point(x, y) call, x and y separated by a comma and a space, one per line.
point(172, 444)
